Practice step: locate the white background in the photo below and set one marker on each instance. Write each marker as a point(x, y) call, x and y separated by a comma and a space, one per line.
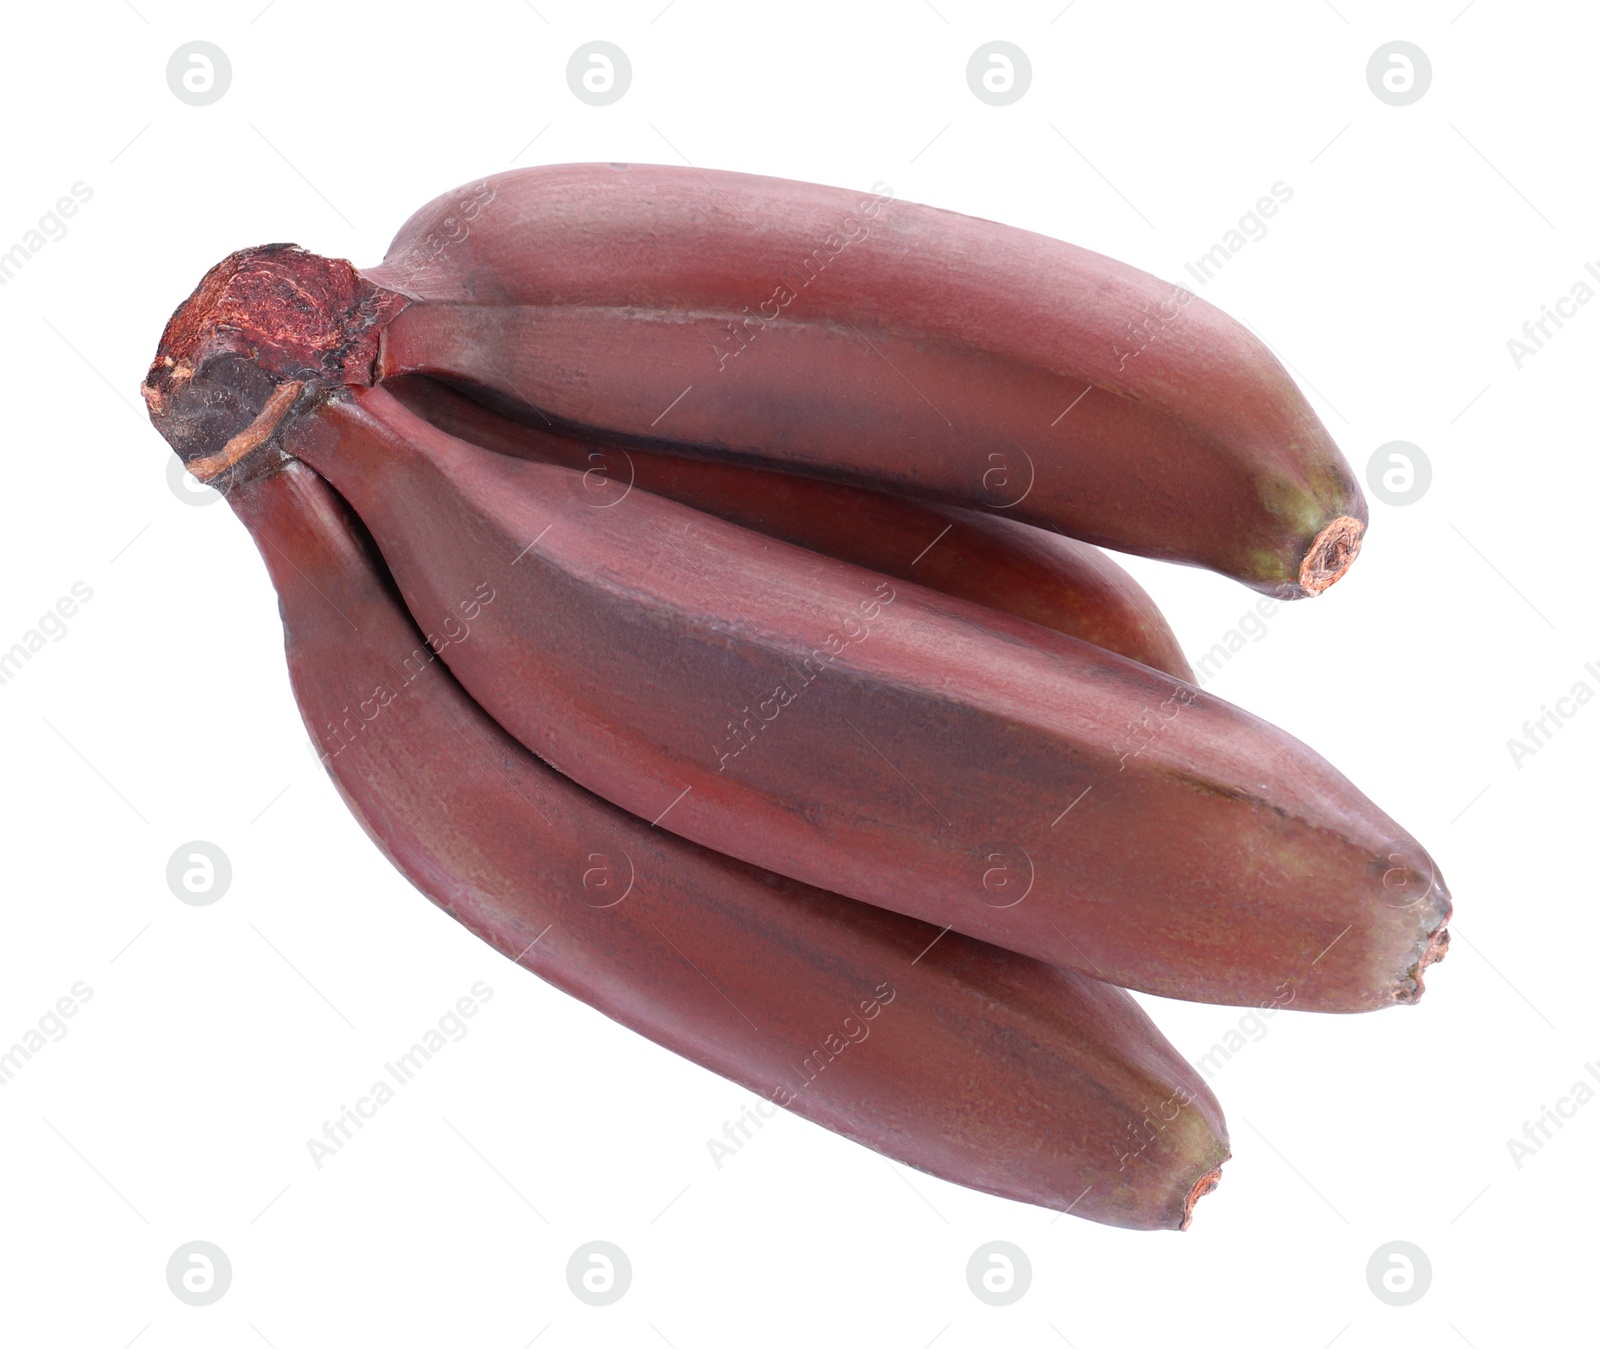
point(218, 1039)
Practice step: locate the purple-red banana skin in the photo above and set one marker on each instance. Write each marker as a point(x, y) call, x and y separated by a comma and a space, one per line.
point(899, 746)
point(854, 336)
point(979, 1066)
point(1046, 578)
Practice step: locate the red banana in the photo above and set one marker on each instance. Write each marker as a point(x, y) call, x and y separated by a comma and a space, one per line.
point(855, 336)
point(985, 1068)
point(1084, 809)
point(1047, 578)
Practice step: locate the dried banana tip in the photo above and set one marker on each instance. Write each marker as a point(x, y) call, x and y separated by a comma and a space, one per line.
point(1434, 952)
point(1330, 554)
point(1202, 1187)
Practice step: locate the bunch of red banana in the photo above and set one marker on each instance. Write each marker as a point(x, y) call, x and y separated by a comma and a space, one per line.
point(866, 799)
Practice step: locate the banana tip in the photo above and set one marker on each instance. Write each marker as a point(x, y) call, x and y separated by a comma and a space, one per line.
point(1198, 1191)
point(1330, 554)
point(1438, 943)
